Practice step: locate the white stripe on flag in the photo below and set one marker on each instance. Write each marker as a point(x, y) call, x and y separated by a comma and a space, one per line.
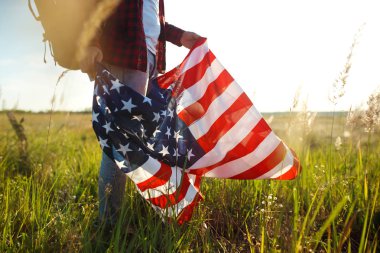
point(238, 166)
point(195, 57)
point(196, 91)
point(232, 138)
point(145, 171)
point(215, 110)
point(284, 166)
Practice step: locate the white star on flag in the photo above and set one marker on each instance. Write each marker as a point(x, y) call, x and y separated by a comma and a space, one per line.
point(108, 128)
point(189, 154)
point(176, 154)
point(128, 105)
point(156, 132)
point(147, 100)
point(170, 114)
point(164, 151)
point(103, 142)
point(95, 117)
point(138, 117)
point(150, 146)
point(168, 132)
point(163, 113)
point(116, 85)
point(124, 149)
point(120, 164)
point(156, 117)
point(177, 136)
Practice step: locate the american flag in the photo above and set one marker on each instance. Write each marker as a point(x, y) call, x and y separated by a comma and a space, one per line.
point(195, 122)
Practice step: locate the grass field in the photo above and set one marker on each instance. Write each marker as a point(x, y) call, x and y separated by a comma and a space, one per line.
point(333, 206)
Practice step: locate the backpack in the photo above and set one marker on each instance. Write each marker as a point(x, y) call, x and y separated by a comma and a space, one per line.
point(63, 22)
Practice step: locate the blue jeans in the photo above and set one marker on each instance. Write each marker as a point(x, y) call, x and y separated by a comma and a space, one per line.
point(111, 183)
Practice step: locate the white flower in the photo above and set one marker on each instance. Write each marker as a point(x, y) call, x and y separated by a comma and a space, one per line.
point(338, 143)
point(346, 134)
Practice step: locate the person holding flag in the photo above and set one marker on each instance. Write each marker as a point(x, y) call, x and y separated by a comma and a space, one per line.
point(131, 45)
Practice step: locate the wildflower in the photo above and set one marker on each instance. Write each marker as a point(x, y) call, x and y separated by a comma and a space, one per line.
point(108, 189)
point(270, 197)
point(338, 143)
point(346, 134)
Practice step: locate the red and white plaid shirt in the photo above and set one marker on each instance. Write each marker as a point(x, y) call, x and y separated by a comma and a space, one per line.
point(122, 37)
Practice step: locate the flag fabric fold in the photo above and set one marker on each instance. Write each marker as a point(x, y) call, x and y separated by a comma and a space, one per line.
point(195, 122)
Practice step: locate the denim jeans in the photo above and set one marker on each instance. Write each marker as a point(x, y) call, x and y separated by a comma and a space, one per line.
point(111, 183)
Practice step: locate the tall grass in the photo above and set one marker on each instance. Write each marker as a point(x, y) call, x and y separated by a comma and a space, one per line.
point(55, 209)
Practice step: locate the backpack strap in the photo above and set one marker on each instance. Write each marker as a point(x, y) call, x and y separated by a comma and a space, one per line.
point(32, 11)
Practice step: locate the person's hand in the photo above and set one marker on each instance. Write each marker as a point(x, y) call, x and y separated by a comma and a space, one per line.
point(188, 39)
point(91, 56)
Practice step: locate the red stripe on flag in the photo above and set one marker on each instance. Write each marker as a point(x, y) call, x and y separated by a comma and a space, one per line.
point(272, 160)
point(225, 122)
point(187, 212)
point(165, 200)
point(197, 183)
point(199, 108)
point(160, 178)
point(294, 171)
point(164, 81)
point(194, 74)
point(245, 147)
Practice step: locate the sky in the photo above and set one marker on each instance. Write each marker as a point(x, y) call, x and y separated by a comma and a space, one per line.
point(274, 49)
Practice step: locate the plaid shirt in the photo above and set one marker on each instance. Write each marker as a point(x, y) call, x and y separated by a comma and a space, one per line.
point(122, 38)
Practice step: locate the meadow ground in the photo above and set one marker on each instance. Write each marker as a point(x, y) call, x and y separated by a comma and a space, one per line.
point(49, 203)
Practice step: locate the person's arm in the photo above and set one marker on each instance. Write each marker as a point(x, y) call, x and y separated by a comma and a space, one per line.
point(180, 37)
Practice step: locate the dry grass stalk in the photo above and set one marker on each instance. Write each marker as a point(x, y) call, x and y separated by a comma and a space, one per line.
point(339, 85)
point(372, 114)
point(302, 124)
point(368, 119)
point(23, 142)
